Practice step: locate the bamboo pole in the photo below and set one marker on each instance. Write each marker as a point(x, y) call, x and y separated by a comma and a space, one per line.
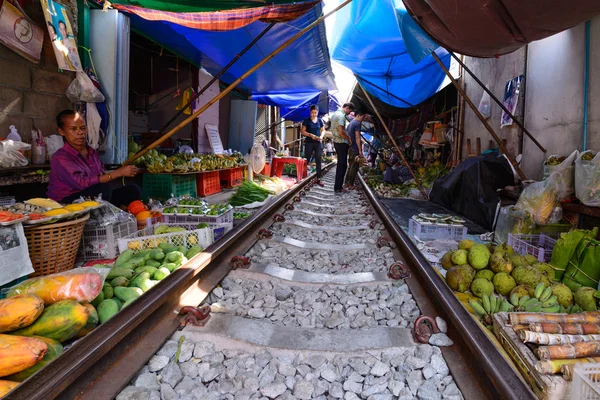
point(481, 118)
point(234, 84)
point(401, 154)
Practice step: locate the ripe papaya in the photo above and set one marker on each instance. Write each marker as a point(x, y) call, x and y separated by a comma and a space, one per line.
point(79, 286)
point(55, 349)
point(91, 323)
point(7, 386)
point(19, 311)
point(60, 321)
point(18, 353)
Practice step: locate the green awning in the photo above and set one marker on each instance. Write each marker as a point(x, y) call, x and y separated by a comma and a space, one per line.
point(199, 5)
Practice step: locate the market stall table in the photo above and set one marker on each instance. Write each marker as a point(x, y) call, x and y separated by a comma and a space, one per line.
point(277, 164)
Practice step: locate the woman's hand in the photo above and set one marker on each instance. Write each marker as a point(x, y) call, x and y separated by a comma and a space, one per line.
point(127, 171)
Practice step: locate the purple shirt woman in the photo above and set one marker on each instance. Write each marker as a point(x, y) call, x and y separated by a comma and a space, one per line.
point(76, 169)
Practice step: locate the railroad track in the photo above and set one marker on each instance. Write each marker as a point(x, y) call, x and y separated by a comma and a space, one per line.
point(314, 314)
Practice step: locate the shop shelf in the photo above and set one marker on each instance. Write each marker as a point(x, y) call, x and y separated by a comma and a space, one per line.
point(231, 177)
point(586, 381)
point(100, 242)
point(208, 183)
point(162, 186)
point(430, 231)
point(539, 246)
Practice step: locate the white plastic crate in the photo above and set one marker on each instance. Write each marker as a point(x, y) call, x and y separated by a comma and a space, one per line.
point(100, 242)
point(431, 231)
point(145, 239)
point(540, 246)
point(586, 382)
point(226, 217)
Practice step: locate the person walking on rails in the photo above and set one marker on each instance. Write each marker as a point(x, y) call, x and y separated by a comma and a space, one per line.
point(341, 142)
point(355, 155)
point(314, 129)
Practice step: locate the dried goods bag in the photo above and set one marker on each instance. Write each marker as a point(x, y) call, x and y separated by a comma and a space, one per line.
point(587, 178)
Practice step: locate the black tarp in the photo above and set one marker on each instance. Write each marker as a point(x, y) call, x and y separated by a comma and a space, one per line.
point(471, 188)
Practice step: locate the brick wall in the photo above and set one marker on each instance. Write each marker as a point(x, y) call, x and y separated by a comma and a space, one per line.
point(30, 94)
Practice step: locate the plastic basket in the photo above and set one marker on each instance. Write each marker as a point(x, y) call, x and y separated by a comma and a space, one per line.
point(150, 222)
point(208, 183)
point(226, 217)
point(539, 246)
point(426, 231)
point(586, 381)
point(161, 186)
point(231, 177)
point(100, 242)
point(53, 248)
point(145, 239)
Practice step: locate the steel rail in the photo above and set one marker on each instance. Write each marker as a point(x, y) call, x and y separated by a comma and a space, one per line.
point(70, 374)
point(506, 380)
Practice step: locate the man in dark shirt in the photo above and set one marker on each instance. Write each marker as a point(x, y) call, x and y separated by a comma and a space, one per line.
point(313, 130)
point(355, 156)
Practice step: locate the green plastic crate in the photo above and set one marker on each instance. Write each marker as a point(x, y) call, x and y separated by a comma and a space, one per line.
point(161, 186)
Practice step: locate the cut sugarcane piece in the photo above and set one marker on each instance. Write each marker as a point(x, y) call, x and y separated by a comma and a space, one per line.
point(553, 338)
point(569, 351)
point(549, 367)
point(592, 317)
point(566, 329)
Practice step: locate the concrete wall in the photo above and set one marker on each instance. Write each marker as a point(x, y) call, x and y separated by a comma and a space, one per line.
point(31, 94)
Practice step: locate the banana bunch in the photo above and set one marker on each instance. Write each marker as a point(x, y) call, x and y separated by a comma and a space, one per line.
point(542, 301)
point(489, 306)
point(181, 163)
point(572, 309)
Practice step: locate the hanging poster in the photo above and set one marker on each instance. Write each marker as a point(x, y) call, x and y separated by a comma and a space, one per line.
point(61, 35)
point(19, 34)
point(511, 99)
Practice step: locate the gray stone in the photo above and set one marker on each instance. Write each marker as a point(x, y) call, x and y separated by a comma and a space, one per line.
point(189, 368)
point(334, 322)
point(414, 381)
point(167, 392)
point(396, 387)
point(380, 396)
point(283, 293)
point(189, 387)
point(172, 374)
point(321, 386)
point(414, 362)
point(266, 377)
point(442, 325)
point(303, 369)
point(187, 350)
point(375, 389)
point(336, 390)
point(328, 374)
point(315, 361)
point(218, 292)
point(251, 384)
point(428, 391)
point(203, 349)
point(134, 393)
point(203, 367)
point(263, 359)
point(356, 377)
point(287, 370)
point(359, 366)
point(303, 390)
point(212, 374)
point(451, 391)
point(257, 313)
point(440, 339)
point(424, 352)
point(290, 381)
point(147, 381)
point(244, 394)
point(354, 387)
point(351, 396)
point(273, 390)
point(439, 364)
point(157, 363)
point(169, 349)
point(226, 386)
point(428, 372)
point(405, 394)
point(379, 369)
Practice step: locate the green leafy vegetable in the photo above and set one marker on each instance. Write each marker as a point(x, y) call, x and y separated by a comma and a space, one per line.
point(249, 192)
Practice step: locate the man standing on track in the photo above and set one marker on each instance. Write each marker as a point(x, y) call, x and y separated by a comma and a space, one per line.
point(314, 129)
point(355, 156)
point(341, 142)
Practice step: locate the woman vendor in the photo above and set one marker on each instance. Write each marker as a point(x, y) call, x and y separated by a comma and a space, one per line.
point(76, 169)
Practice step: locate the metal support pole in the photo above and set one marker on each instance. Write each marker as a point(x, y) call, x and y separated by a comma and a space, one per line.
point(481, 118)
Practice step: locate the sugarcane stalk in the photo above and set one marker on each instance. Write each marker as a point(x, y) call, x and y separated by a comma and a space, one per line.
point(553, 338)
point(592, 317)
point(550, 367)
point(570, 351)
point(518, 328)
point(567, 329)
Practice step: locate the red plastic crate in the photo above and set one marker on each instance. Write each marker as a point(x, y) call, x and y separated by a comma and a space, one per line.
point(208, 183)
point(231, 177)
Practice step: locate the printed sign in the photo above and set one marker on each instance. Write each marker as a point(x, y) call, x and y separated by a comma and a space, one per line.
point(19, 34)
point(214, 138)
point(61, 35)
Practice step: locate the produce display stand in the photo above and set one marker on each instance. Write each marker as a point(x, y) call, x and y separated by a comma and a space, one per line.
point(277, 164)
point(208, 183)
point(231, 177)
point(161, 186)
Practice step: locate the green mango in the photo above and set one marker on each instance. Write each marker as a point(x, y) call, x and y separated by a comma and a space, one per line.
point(161, 273)
point(124, 257)
point(153, 263)
point(158, 254)
point(148, 269)
point(170, 266)
point(113, 273)
point(119, 281)
point(196, 249)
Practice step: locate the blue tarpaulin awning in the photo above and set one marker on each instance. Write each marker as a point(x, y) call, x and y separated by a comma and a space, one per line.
point(302, 67)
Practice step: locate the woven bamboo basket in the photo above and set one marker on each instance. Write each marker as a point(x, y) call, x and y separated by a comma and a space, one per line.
point(53, 248)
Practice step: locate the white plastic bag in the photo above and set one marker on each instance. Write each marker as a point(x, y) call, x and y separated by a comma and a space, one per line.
point(82, 89)
point(539, 199)
point(587, 178)
point(566, 171)
point(10, 155)
point(512, 220)
point(53, 143)
point(485, 105)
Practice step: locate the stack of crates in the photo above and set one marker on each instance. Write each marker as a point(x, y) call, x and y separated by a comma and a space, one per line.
point(101, 242)
point(162, 186)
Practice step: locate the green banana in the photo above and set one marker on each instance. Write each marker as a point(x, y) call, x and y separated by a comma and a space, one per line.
point(499, 302)
point(546, 294)
point(534, 308)
point(569, 308)
point(554, 309)
point(562, 309)
point(506, 306)
point(477, 308)
point(523, 299)
point(493, 301)
point(486, 304)
point(532, 302)
point(575, 309)
point(549, 302)
point(538, 290)
point(514, 299)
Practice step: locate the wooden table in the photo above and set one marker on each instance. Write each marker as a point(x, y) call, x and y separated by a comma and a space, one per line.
point(277, 164)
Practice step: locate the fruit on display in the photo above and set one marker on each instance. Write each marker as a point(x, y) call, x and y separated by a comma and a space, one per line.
point(466, 244)
point(57, 211)
point(522, 290)
point(528, 275)
point(478, 256)
point(500, 262)
point(7, 386)
point(409, 189)
point(137, 206)
point(18, 353)
point(563, 294)
point(183, 163)
point(74, 207)
point(460, 277)
point(584, 298)
point(7, 216)
point(55, 349)
point(485, 274)
point(482, 287)
point(79, 285)
point(545, 269)
point(459, 257)
point(60, 321)
point(92, 321)
point(446, 260)
point(48, 204)
point(19, 311)
point(503, 283)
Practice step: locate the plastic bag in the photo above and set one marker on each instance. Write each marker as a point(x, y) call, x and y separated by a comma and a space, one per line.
point(512, 220)
point(82, 89)
point(80, 284)
point(53, 143)
point(587, 178)
point(10, 155)
point(540, 199)
point(485, 105)
point(566, 170)
point(107, 215)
